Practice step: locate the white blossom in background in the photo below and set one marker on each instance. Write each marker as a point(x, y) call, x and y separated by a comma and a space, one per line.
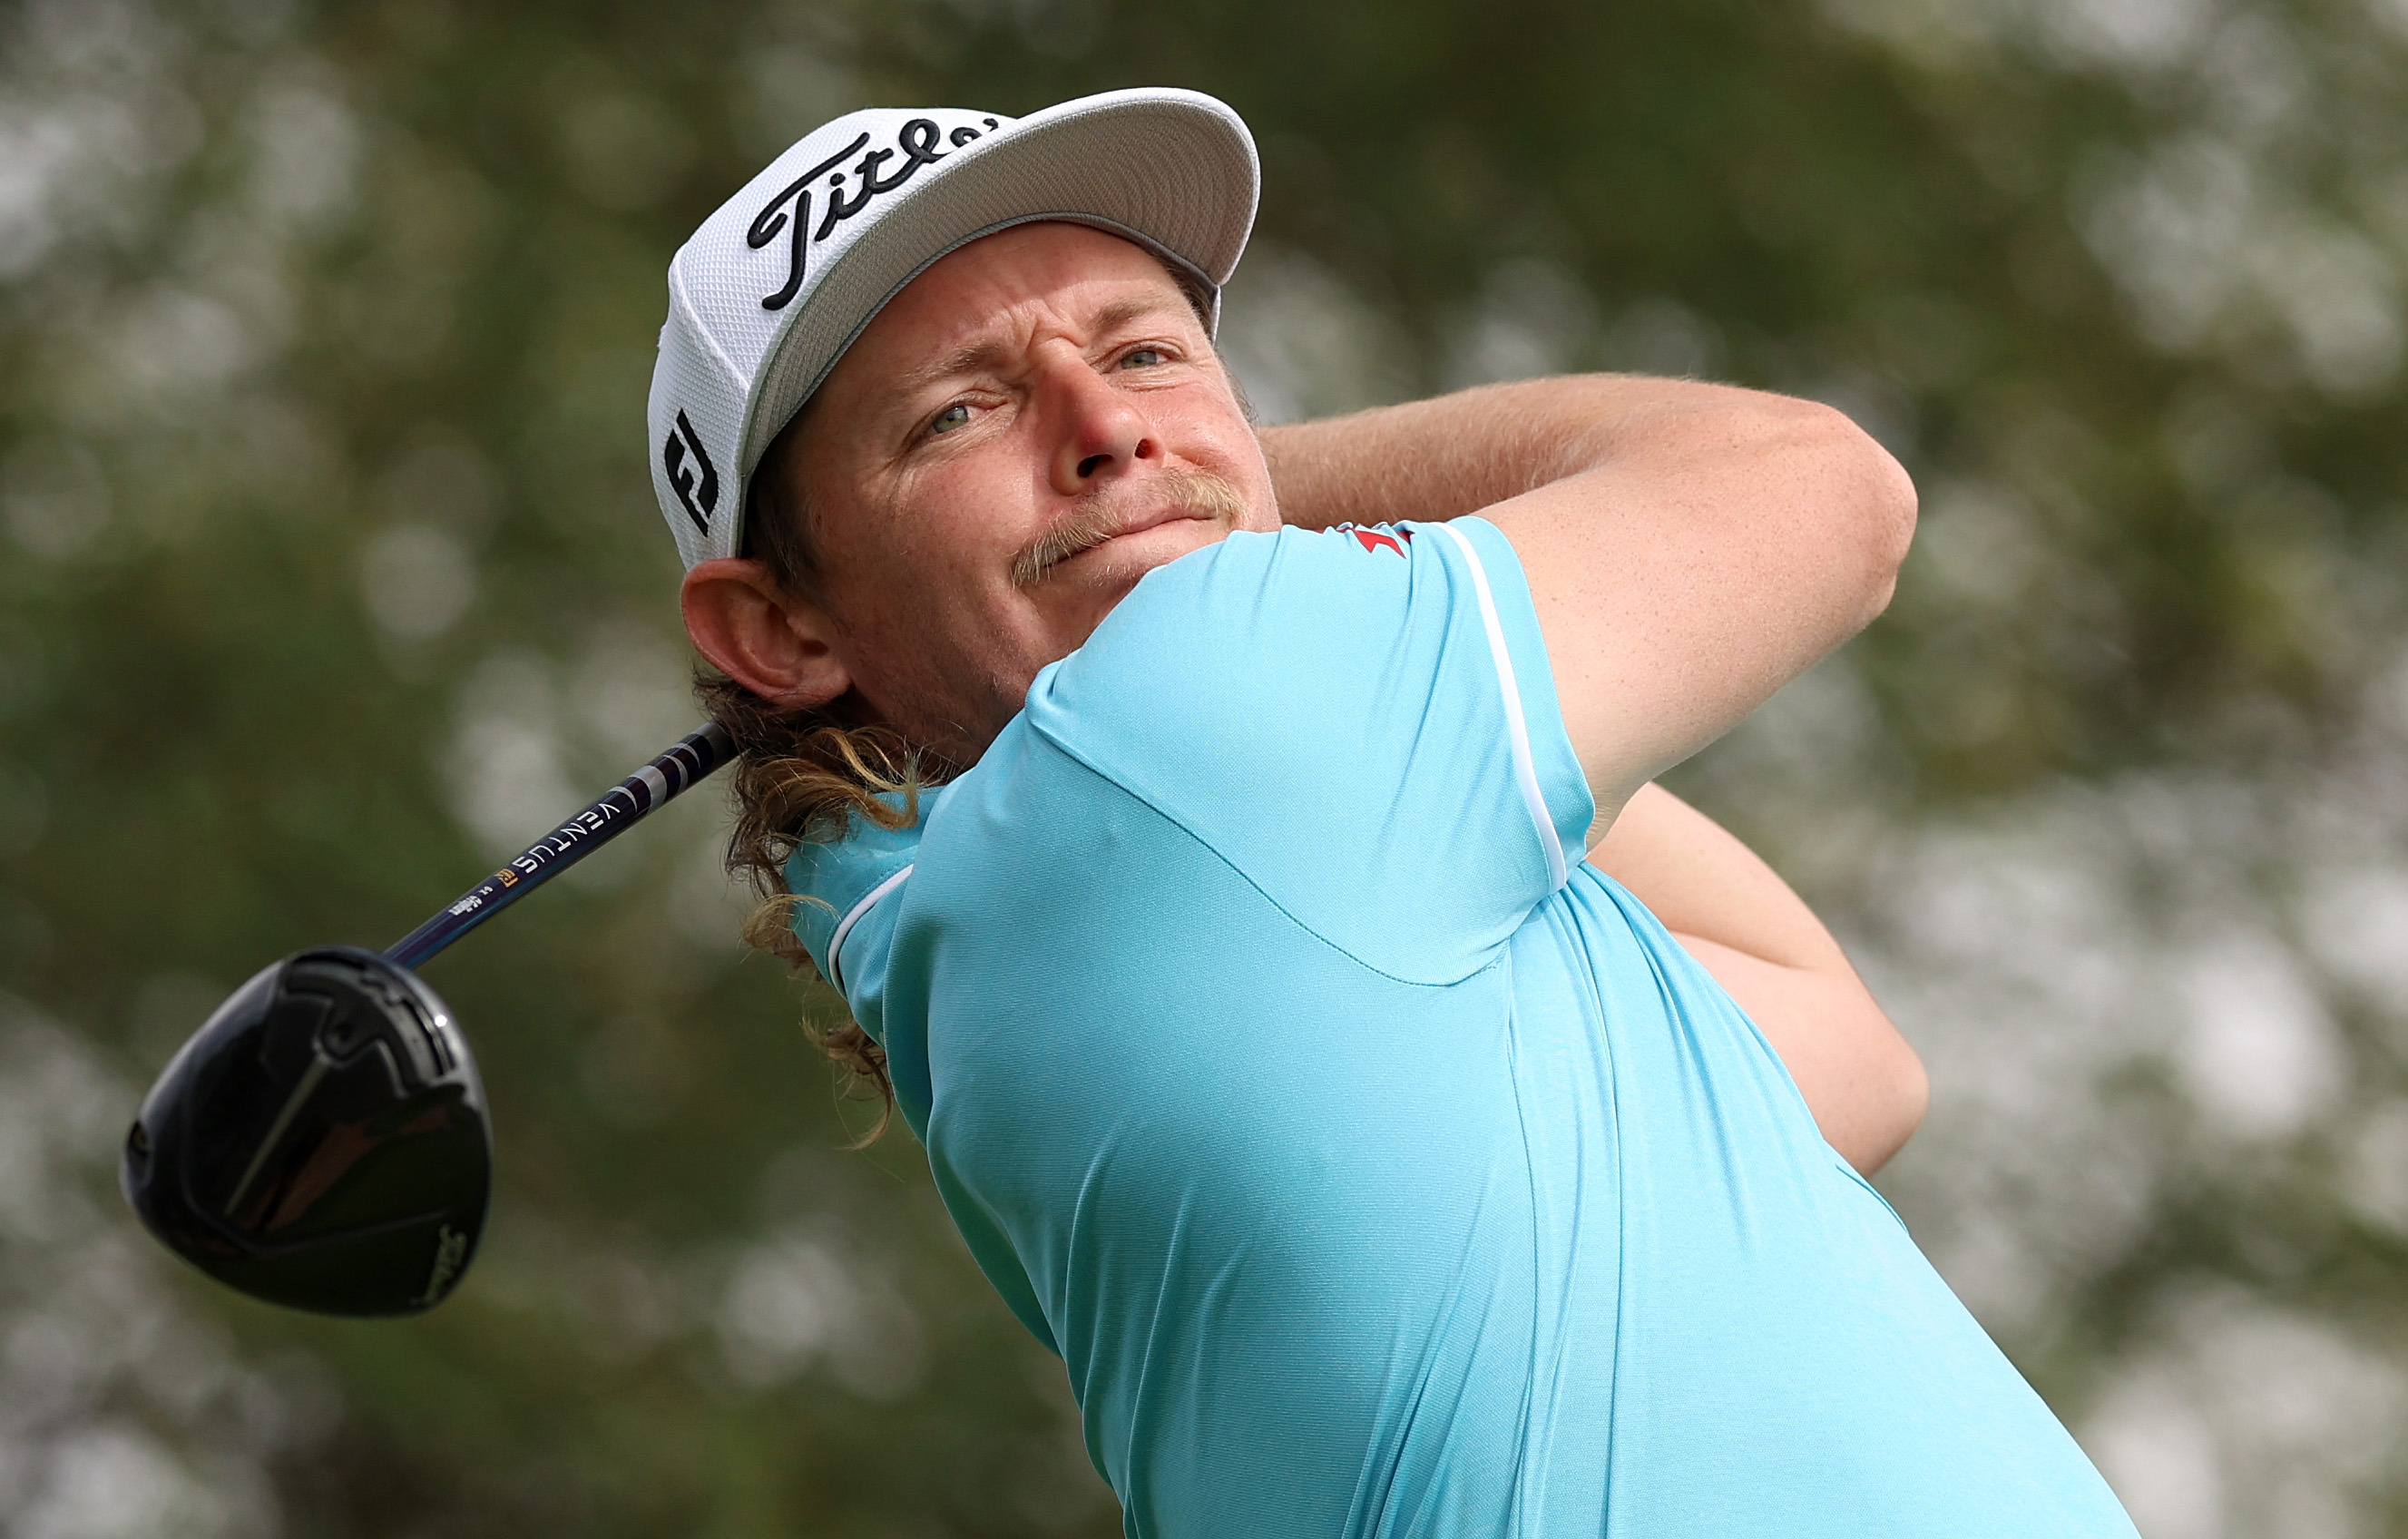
point(417, 573)
point(121, 1413)
point(2178, 992)
point(2137, 36)
point(708, 906)
point(442, 478)
point(634, 694)
point(125, 1413)
point(791, 88)
point(506, 761)
point(798, 1300)
point(2237, 1417)
point(417, 581)
point(2208, 228)
point(623, 149)
point(1530, 318)
point(303, 147)
point(54, 498)
point(1303, 343)
point(2211, 251)
point(1661, 336)
point(92, 119)
point(2259, 1054)
point(2109, 988)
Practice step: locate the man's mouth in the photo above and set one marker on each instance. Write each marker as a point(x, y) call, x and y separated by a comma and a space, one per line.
point(1194, 494)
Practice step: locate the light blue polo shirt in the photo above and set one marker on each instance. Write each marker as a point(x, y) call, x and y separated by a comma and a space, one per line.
point(1376, 1166)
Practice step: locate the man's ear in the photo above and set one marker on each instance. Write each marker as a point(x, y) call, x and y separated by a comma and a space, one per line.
point(777, 646)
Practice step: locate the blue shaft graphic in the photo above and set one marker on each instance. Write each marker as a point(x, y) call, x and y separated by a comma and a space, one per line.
point(695, 755)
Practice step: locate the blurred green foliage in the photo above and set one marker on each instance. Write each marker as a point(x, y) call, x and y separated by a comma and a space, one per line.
point(330, 570)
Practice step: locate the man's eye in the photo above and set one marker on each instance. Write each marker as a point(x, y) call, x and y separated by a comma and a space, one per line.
point(955, 415)
point(1144, 357)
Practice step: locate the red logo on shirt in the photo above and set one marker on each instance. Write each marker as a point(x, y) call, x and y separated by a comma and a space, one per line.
point(1373, 540)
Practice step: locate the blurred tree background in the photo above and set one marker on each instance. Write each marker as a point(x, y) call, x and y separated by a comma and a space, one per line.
point(329, 571)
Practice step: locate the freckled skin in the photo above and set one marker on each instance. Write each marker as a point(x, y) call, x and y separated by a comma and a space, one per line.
point(1043, 375)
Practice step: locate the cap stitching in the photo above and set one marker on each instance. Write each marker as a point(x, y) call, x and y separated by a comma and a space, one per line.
point(694, 320)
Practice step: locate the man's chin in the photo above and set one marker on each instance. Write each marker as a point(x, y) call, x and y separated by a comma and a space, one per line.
point(1078, 594)
point(1118, 563)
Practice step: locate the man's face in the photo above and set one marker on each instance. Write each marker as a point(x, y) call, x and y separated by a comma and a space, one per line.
point(1034, 423)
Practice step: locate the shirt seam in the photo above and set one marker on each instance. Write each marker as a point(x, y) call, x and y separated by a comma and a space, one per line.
point(1623, 1294)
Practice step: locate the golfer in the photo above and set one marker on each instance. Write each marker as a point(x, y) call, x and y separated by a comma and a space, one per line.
point(1239, 853)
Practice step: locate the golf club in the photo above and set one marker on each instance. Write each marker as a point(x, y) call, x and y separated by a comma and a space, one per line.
point(322, 1140)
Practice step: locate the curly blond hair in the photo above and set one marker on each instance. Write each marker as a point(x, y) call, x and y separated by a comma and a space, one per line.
point(804, 774)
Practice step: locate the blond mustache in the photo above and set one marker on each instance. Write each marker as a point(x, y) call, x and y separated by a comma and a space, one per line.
point(1189, 493)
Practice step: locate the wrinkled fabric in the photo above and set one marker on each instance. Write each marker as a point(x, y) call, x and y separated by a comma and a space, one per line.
point(1376, 1167)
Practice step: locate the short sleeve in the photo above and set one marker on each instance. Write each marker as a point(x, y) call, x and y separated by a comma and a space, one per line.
point(1361, 721)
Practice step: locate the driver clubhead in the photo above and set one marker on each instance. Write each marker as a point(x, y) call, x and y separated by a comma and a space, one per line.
point(321, 1142)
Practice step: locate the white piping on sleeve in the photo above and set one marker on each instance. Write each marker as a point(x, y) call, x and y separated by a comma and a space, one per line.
point(853, 917)
point(1517, 729)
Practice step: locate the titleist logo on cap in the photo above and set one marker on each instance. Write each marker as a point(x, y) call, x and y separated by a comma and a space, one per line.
point(916, 142)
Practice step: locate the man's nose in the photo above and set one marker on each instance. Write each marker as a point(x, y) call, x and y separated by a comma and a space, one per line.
point(1099, 432)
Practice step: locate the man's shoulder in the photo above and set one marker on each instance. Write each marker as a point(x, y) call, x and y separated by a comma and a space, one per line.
point(1204, 649)
point(1256, 596)
point(1324, 713)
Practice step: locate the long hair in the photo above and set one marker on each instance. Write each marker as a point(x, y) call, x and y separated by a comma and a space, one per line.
point(803, 775)
point(800, 776)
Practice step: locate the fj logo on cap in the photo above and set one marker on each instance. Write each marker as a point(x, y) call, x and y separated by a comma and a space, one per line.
point(698, 487)
point(916, 141)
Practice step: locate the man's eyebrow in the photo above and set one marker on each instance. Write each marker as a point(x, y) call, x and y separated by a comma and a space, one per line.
point(977, 357)
point(1121, 312)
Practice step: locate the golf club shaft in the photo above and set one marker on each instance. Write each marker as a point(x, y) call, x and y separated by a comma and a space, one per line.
point(694, 757)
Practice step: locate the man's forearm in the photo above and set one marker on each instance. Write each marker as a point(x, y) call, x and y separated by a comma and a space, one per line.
point(1697, 878)
point(1689, 548)
point(1759, 939)
point(1456, 454)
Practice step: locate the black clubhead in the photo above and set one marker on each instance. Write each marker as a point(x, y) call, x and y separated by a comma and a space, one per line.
point(321, 1142)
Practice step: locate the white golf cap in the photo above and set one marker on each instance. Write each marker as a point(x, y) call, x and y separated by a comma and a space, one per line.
point(772, 290)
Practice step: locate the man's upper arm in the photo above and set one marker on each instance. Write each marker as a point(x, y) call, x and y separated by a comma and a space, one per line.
point(1718, 550)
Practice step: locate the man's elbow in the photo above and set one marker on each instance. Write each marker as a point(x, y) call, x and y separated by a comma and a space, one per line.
point(1882, 513)
point(1897, 1110)
point(1864, 504)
